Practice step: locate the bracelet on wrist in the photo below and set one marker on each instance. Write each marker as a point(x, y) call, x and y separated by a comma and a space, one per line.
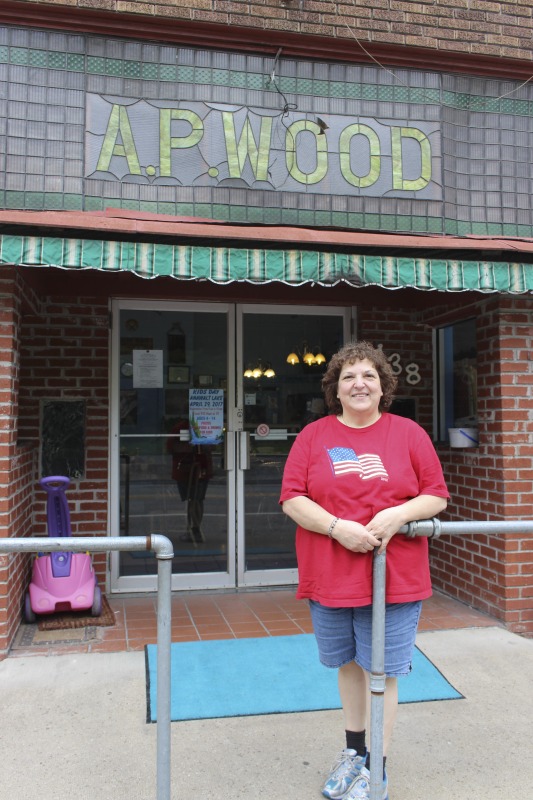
point(332, 526)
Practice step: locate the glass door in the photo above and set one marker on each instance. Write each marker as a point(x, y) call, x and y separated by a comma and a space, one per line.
point(169, 458)
point(207, 401)
point(282, 355)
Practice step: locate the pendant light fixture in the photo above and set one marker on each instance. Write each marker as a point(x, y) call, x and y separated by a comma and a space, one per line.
point(261, 369)
point(309, 357)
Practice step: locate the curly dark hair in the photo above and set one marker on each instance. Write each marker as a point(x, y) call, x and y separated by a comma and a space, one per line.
point(349, 354)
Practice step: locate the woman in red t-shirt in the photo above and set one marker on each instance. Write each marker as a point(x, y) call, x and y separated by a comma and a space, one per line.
point(351, 481)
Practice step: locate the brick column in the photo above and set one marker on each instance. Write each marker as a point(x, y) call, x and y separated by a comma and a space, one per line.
point(494, 481)
point(16, 462)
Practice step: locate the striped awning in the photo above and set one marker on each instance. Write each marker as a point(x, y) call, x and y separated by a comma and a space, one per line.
point(256, 265)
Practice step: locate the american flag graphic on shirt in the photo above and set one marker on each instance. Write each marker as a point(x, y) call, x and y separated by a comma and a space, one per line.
point(345, 460)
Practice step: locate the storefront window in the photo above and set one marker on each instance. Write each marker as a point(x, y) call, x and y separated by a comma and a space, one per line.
point(456, 377)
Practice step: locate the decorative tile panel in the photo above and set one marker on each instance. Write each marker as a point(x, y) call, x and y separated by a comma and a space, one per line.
point(300, 142)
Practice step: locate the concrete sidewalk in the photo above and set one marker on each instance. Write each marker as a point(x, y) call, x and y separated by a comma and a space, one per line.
point(74, 727)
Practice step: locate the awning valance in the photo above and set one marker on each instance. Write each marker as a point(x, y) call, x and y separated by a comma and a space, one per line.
point(258, 265)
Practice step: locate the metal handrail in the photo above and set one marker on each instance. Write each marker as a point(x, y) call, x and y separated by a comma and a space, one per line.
point(164, 553)
point(432, 528)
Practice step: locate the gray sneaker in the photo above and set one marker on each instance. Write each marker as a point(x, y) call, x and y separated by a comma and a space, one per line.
point(343, 773)
point(360, 788)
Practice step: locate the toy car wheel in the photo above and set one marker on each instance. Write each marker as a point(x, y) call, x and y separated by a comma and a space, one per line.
point(29, 616)
point(96, 610)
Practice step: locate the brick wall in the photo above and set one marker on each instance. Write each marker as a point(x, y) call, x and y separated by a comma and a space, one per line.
point(497, 29)
point(16, 461)
point(495, 480)
point(14, 569)
point(400, 333)
point(65, 356)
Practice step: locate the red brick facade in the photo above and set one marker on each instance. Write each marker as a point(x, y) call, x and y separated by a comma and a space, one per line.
point(494, 481)
point(477, 27)
point(17, 461)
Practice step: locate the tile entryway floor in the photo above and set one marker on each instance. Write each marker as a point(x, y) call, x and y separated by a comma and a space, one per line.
point(214, 616)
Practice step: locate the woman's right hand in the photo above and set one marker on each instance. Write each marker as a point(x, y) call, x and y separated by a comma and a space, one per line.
point(354, 536)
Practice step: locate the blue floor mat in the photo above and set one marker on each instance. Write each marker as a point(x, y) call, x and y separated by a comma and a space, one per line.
point(270, 675)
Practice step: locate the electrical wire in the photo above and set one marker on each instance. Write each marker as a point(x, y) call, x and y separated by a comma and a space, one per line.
point(397, 78)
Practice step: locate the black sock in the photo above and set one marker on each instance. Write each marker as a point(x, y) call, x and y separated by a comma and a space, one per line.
point(356, 740)
point(367, 763)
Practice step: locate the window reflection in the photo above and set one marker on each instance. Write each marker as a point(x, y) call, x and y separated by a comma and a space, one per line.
point(457, 376)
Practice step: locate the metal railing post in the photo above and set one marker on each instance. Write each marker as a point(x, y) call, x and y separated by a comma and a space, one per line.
point(377, 675)
point(164, 595)
point(432, 528)
point(164, 553)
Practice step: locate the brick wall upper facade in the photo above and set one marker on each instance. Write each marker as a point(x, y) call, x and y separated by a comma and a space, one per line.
point(495, 29)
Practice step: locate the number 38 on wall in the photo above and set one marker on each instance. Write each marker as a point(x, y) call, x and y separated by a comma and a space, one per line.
point(412, 370)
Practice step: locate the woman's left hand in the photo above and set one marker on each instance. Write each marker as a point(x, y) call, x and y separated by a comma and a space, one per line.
point(388, 521)
point(385, 524)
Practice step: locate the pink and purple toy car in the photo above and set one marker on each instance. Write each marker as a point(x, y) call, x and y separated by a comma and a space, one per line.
point(61, 581)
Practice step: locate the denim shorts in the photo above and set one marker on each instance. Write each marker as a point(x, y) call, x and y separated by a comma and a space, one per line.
point(345, 634)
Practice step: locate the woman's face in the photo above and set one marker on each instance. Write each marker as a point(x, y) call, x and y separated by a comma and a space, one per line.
point(359, 389)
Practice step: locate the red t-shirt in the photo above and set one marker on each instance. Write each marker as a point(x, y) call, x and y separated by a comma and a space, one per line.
point(354, 473)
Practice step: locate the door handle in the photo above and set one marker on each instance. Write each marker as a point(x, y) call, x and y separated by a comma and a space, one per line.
point(229, 451)
point(244, 450)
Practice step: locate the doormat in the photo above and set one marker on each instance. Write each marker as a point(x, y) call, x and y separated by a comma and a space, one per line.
point(271, 675)
point(65, 620)
point(29, 636)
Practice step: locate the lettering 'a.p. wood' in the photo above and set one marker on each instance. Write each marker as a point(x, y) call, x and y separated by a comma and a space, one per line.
point(143, 140)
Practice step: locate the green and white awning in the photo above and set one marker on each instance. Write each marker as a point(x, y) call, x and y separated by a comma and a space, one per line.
point(256, 265)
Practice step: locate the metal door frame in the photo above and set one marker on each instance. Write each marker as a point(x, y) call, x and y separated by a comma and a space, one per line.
point(235, 454)
point(180, 581)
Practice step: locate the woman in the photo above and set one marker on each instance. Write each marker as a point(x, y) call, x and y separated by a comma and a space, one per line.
point(351, 481)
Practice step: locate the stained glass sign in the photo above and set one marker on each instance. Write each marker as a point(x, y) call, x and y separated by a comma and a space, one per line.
point(208, 144)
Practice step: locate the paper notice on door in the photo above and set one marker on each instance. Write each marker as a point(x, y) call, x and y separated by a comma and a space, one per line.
point(147, 369)
point(206, 415)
